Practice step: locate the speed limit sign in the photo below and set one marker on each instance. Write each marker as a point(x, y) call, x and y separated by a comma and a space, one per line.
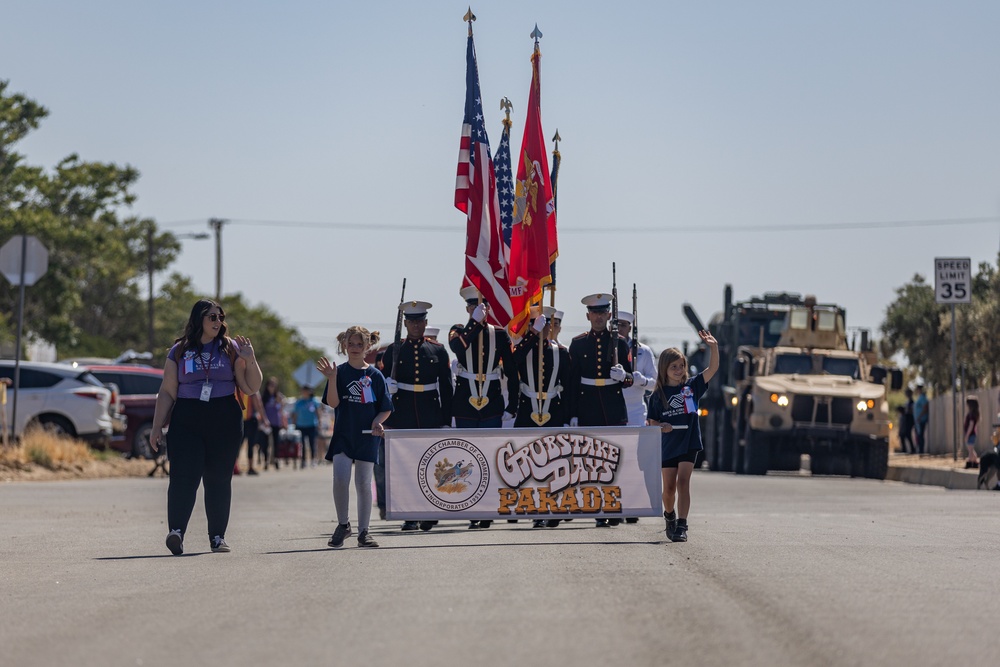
point(953, 280)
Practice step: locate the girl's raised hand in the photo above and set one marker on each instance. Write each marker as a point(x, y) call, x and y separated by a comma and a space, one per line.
point(707, 337)
point(328, 370)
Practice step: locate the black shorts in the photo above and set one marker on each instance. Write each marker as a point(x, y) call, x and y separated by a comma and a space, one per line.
point(690, 457)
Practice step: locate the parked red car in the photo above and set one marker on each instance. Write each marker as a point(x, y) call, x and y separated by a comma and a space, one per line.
point(137, 387)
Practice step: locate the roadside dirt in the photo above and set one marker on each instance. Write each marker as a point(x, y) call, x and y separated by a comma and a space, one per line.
point(94, 469)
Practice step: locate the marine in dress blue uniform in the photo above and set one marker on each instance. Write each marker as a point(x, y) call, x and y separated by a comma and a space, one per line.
point(483, 354)
point(418, 375)
point(595, 396)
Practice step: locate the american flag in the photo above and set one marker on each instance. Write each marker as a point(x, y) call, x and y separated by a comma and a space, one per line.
point(505, 187)
point(476, 196)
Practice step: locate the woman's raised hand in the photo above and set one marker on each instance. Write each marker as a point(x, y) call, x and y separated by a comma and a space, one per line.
point(246, 348)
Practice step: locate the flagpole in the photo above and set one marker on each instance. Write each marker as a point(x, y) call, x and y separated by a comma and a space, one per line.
point(556, 161)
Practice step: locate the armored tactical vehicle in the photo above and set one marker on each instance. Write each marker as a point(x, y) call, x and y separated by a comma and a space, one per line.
point(812, 394)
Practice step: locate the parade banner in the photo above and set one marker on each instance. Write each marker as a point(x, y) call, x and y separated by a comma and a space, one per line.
point(523, 473)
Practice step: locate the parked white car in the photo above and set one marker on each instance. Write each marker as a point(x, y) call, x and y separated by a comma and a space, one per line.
point(61, 398)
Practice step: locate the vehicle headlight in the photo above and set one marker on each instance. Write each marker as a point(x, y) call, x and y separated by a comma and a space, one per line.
point(862, 406)
point(702, 412)
point(734, 401)
point(780, 399)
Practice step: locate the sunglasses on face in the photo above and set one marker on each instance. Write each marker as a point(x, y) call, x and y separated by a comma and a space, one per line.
point(216, 318)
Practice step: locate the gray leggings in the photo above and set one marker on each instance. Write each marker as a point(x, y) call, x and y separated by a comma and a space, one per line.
point(342, 489)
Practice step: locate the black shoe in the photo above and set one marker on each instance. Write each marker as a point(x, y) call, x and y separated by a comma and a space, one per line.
point(538, 523)
point(614, 522)
point(485, 524)
point(342, 532)
point(427, 525)
point(552, 523)
point(671, 518)
point(175, 542)
point(219, 545)
point(601, 523)
point(511, 520)
point(365, 540)
point(409, 525)
point(252, 472)
point(632, 519)
point(473, 525)
point(680, 533)
point(381, 513)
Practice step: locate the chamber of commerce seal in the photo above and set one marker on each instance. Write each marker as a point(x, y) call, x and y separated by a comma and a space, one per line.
point(453, 474)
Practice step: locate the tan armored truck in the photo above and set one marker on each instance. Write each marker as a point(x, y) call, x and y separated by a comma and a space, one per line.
point(813, 394)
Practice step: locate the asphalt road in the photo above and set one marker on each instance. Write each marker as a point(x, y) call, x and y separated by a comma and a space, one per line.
point(779, 570)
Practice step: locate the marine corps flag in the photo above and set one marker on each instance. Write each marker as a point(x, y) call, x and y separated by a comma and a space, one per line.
point(533, 245)
point(476, 196)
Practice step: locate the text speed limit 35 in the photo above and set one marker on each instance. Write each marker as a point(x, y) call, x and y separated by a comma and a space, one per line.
point(953, 279)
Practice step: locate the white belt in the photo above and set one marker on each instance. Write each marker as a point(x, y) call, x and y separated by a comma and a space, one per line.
point(472, 376)
point(525, 390)
point(418, 387)
point(599, 382)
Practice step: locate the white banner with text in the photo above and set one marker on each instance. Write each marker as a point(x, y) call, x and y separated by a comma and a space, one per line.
point(523, 473)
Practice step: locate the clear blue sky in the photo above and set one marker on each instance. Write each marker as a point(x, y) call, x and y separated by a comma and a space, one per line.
point(705, 123)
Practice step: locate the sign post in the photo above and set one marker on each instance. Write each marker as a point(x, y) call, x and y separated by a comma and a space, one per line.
point(23, 260)
point(953, 284)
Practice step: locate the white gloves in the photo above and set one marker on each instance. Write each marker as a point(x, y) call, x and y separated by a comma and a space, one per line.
point(618, 373)
point(539, 324)
point(508, 420)
point(391, 384)
point(575, 421)
point(639, 380)
point(479, 314)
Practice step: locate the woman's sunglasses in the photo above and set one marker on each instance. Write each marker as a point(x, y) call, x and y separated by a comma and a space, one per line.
point(216, 318)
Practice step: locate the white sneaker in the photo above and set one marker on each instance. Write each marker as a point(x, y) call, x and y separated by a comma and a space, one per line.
point(219, 545)
point(175, 542)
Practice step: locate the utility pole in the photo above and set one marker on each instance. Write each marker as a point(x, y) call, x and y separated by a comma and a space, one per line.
point(216, 224)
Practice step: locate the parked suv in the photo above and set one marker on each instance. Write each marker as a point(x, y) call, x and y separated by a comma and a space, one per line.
point(137, 387)
point(60, 398)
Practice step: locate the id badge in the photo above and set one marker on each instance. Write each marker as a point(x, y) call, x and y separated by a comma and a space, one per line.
point(206, 391)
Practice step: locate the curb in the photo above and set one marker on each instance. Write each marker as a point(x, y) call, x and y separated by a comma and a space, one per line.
point(945, 477)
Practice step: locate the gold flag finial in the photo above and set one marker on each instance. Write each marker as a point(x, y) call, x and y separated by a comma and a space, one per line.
point(506, 106)
point(469, 18)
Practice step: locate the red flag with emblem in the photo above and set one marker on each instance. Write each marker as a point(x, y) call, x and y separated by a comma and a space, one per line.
point(533, 245)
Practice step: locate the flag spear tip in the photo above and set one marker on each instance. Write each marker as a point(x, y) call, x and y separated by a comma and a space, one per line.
point(469, 16)
point(557, 138)
point(536, 33)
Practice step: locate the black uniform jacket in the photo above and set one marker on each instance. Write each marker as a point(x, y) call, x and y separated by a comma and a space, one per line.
point(466, 339)
point(421, 362)
point(597, 405)
point(558, 406)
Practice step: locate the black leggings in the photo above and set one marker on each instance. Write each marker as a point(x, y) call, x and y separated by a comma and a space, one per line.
point(204, 440)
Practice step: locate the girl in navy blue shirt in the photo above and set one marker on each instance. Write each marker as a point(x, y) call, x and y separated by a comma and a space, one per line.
point(358, 394)
point(673, 407)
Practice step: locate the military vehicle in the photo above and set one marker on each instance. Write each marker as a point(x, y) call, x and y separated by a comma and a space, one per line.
point(799, 388)
point(755, 321)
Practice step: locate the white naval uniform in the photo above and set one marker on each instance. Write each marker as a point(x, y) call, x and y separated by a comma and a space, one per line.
point(634, 402)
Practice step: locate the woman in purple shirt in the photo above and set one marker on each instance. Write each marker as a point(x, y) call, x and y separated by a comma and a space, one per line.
point(198, 398)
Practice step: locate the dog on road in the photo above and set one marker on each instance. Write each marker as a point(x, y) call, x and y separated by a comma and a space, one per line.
point(989, 469)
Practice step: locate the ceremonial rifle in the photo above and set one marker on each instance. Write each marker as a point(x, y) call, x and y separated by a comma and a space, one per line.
point(614, 315)
point(635, 328)
point(398, 341)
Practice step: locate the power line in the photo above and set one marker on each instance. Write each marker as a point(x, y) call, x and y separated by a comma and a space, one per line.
point(612, 229)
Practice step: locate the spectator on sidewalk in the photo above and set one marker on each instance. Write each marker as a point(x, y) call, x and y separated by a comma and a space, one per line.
point(921, 408)
point(970, 429)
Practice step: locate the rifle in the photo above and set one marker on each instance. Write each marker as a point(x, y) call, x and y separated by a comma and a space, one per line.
point(635, 328)
point(398, 341)
point(614, 315)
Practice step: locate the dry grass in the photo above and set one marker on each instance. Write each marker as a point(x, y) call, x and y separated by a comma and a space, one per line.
point(39, 447)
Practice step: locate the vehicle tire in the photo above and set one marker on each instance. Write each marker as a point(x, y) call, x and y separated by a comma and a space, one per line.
point(57, 425)
point(877, 460)
point(724, 442)
point(820, 463)
point(786, 457)
point(757, 453)
point(141, 449)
